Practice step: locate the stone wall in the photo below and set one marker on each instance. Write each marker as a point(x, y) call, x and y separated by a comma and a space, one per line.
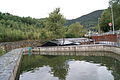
point(20, 44)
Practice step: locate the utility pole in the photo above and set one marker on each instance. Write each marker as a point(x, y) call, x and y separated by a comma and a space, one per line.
point(111, 6)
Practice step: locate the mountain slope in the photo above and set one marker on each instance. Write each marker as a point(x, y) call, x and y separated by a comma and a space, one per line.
point(89, 20)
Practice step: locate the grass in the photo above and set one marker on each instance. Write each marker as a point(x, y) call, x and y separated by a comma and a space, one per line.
point(2, 51)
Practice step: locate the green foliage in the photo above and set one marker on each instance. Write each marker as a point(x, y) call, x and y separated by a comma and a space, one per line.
point(75, 30)
point(14, 28)
point(55, 23)
point(88, 21)
point(2, 51)
point(104, 20)
point(95, 29)
point(46, 35)
point(106, 16)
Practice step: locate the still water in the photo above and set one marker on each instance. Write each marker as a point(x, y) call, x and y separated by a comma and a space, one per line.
point(103, 66)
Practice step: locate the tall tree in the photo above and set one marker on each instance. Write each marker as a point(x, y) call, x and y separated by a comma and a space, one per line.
point(104, 20)
point(55, 23)
point(106, 16)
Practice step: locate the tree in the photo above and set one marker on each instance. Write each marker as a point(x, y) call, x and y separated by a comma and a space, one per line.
point(106, 16)
point(104, 20)
point(75, 30)
point(55, 23)
point(14, 28)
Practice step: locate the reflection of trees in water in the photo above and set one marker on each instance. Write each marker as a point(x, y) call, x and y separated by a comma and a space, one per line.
point(59, 67)
point(59, 64)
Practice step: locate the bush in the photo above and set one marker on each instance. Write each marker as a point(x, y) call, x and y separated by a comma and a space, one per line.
point(2, 51)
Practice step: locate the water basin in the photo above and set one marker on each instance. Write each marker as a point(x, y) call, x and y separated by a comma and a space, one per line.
point(90, 66)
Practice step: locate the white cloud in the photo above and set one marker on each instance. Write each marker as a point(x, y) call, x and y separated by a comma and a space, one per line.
point(41, 8)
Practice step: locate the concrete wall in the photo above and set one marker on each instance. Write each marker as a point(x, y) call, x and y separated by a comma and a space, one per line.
point(9, 63)
point(79, 48)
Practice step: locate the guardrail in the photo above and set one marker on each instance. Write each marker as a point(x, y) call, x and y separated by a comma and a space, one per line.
point(116, 44)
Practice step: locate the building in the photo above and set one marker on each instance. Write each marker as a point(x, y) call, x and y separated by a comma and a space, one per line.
point(108, 37)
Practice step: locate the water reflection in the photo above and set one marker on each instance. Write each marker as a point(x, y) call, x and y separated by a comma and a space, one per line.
point(81, 70)
point(104, 66)
point(41, 73)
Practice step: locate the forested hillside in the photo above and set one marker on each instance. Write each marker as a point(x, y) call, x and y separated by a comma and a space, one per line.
point(89, 20)
point(14, 28)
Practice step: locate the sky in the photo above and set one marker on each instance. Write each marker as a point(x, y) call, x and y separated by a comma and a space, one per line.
point(70, 9)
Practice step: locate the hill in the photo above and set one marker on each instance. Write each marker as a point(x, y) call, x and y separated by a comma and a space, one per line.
point(14, 28)
point(89, 20)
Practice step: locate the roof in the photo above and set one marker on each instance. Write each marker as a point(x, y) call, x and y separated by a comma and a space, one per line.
point(61, 42)
point(66, 41)
point(75, 40)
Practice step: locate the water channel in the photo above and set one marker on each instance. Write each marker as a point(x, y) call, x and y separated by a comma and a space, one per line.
point(90, 66)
